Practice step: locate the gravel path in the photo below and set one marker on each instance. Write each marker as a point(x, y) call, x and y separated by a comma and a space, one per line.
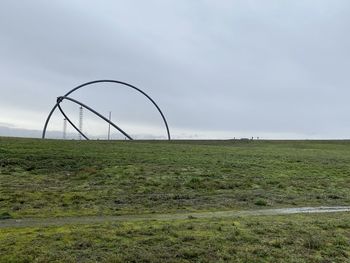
point(59, 221)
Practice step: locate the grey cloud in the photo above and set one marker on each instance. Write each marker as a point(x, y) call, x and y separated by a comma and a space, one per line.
point(276, 67)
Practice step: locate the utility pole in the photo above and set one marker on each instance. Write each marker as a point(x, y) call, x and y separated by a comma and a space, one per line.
point(80, 121)
point(109, 126)
point(64, 128)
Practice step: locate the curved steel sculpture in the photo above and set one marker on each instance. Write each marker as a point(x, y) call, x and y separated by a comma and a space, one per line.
point(66, 97)
point(60, 99)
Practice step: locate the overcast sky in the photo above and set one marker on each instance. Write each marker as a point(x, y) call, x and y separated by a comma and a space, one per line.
point(217, 69)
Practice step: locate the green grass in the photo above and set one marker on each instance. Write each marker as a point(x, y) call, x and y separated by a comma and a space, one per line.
point(73, 178)
point(62, 178)
point(297, 238)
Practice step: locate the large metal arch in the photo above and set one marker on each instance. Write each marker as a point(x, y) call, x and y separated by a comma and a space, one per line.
point(70, 122)
point(60, 99)
point(106, 81)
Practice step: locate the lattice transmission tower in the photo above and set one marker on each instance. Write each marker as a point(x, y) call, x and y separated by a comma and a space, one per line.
point(109, 126)
point(80, 121)
point(64, 128)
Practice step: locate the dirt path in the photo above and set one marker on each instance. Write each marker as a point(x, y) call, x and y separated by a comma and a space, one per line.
point(59, 221)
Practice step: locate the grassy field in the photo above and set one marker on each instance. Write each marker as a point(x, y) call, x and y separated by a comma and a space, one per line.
point(74, 178)
point(306, 238)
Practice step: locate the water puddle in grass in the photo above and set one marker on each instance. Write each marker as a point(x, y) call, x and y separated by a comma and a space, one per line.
point(298, 210)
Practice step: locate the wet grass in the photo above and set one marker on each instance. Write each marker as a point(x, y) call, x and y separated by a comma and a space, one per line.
point(297, 238)
point(64, 178)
